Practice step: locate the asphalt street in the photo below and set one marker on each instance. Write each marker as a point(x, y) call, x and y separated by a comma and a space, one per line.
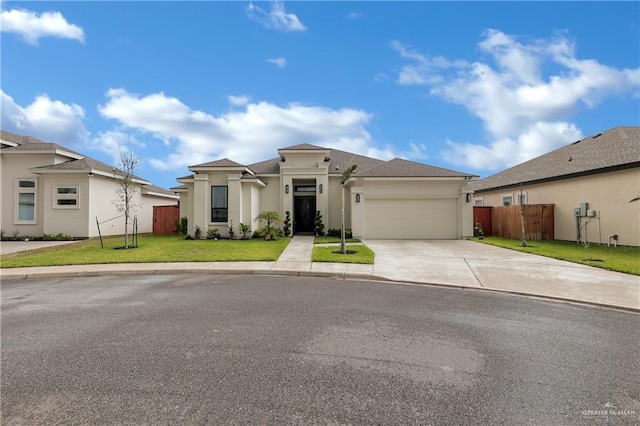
point(238, 349)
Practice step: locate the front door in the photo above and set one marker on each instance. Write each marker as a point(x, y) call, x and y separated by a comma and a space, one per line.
point(304, 214)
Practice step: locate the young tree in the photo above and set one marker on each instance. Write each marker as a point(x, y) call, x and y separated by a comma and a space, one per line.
point(346, 175)
point(125, 175)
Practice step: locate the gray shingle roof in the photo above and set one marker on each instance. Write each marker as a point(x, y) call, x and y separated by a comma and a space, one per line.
point(224, 162)
point(157, 189)
point(267, 167)
point(404, 168)
point(302, 147)
point(617, 147)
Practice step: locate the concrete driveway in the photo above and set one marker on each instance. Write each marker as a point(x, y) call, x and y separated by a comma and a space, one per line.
point(472, 264)
point(7, 247)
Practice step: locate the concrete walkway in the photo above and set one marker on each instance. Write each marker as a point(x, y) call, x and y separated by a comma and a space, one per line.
point(464, 264)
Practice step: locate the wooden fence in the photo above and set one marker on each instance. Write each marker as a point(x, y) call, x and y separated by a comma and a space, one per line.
point(504, 221)
point(164, 219)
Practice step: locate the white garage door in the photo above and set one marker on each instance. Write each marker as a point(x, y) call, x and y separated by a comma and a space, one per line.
point(429, 219)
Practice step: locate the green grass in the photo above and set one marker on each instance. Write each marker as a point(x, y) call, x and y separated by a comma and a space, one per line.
point(326, 254)
point(151, 249)
point(621, 259)
point(330, 240)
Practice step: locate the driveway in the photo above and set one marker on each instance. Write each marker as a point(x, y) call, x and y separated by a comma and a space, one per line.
point(7, 247)
point(472, 264)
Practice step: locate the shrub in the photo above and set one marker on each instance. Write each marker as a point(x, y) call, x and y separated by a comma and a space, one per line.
point(231, 231)
point(184, 225)
point(478, 232)
point(68, 237)
point(348, 233)
point(188, 237)
point(197, 233)
point(287, 224)
point(15, 235)
point(271, 218)
point(47, 237)
point(333, 232)
point(213, 234)
point(244, 230)
point(1, 234)
point(59, 236)
point(319, 226)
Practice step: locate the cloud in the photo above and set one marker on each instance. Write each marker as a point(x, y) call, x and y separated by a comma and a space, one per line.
point(112, 142)
point(31, 26)
point(46, 119)
point(355, 15)
point(525, 111)
point(277, 19)
point(238, 100)
point(279, 62)
point(246, 136)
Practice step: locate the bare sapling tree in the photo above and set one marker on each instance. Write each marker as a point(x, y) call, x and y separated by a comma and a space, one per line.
point(125, 175)
point(346, 175)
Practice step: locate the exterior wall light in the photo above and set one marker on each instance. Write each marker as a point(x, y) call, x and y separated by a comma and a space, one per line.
point(357, 198)
point(468, 198)
point(286, 189)
point(320, 188)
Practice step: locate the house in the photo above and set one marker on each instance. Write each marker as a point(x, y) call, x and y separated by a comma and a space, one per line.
point(50, 189)
point(591, 182)
point(396, 199)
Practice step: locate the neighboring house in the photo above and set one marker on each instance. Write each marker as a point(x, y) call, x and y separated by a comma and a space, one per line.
point(395, 199)
point(47, 188)
point(591, 182)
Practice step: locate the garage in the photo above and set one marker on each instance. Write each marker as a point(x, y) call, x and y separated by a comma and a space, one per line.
point(422, 218)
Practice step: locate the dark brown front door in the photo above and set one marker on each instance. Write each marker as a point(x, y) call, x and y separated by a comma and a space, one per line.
point(304, 214)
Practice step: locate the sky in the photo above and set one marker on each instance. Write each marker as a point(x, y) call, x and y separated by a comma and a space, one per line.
point(470, 86)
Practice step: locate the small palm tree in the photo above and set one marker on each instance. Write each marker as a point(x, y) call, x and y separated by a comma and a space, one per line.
point(270, 217)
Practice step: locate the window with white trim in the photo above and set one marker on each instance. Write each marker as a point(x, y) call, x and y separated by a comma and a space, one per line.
point(66, 197)
point(219, 204)
point(26, 196)
point(478, 201)
point(507, 200)
point(522, 198)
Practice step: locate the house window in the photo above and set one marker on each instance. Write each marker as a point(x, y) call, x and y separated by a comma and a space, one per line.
point(507, 200)
point(478, 202)
point(219, 204)
point(305, 188)
point(522, 198)
point(26, 195)
point(65, 197)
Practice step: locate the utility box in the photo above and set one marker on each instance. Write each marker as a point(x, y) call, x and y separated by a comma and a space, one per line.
point(576, 212)
point(583, 209)
point(591, 213)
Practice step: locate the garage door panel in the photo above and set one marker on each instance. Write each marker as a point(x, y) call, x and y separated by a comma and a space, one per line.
point(411, 218)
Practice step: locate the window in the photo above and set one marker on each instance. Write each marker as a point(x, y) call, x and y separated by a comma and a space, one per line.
point(219, 207)
point(478, 202)
point(305, 188)
point(65, 197)
point(522, 198)
point(26, 192)
point(507, 200)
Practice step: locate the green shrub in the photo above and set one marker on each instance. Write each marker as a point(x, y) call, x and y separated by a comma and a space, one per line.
point(184, 225)
point(244, 230)
point(197, 232)
point(319, 226)
point(287, 224)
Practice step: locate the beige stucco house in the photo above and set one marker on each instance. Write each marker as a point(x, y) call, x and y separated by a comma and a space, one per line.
point(47, 188)
point(394, 199)
point(591, 182)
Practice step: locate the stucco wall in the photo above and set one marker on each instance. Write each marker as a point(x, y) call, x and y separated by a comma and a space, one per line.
point(607, 193)
point(71, 221)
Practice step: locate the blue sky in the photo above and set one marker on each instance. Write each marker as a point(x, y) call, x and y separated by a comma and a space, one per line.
point(470, 86)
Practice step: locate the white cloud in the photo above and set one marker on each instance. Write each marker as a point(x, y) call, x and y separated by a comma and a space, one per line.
point(112, 142)
point(277, 19)
point(525, 111)
point(246, 136)
point(46, 119)
point(279, 62)
point(31, 26)
point(355, 15)
point(238, 100)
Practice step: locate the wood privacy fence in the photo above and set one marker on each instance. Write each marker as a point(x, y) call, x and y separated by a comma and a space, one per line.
point(164, 219)
point(504, 221)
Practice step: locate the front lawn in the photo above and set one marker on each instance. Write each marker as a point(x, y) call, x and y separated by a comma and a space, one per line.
point(333, 240)
point(620, 259)
point(151, 249)
point(363, 254)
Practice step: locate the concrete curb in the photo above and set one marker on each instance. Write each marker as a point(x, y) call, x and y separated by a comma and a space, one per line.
point(335, 275)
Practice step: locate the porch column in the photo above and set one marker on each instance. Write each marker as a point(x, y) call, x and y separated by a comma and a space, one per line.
point(234, 201)
point(201, 204)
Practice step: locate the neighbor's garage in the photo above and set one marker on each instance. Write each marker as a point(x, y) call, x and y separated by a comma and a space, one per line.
point(421, 218)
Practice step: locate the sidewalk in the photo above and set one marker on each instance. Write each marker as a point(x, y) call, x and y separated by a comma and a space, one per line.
point(462, 264)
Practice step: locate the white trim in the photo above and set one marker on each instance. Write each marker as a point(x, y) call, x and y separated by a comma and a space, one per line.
point(524, 196)
point(479, 199)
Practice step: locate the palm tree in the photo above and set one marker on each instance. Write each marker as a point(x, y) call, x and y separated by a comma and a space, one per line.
point(346, 175)
point(270, 217)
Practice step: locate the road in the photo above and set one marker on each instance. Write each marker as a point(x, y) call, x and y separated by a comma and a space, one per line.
point(197, 349)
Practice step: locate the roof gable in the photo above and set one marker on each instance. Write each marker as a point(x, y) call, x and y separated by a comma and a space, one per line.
point(617, 147)
point(224, 162)
point(303, 147)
